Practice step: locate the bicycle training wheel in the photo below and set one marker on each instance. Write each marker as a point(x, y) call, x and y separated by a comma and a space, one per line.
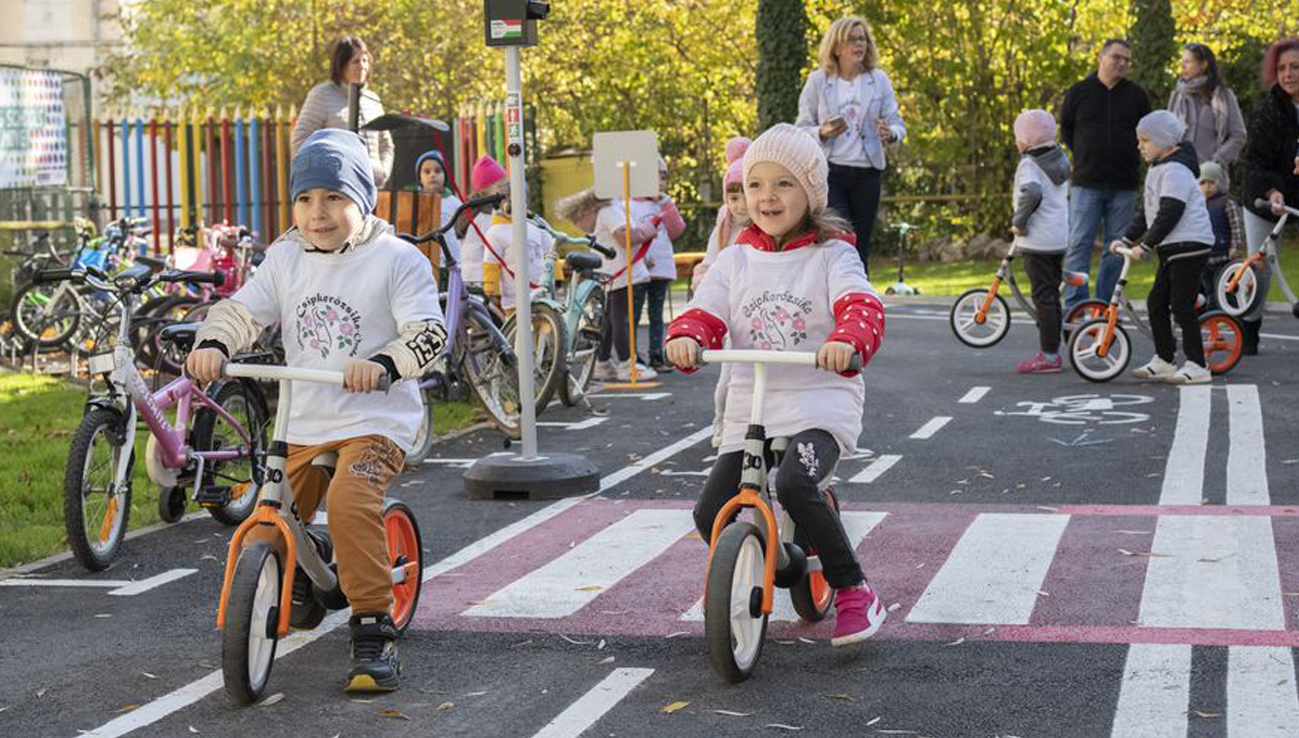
point(1247, 294)
point(405, 549)
point(734, 624)
point(250, 635)
point(813, 596)
point(95, 510)
point(1085, 351)
point(972, 331)
point(1224, 341)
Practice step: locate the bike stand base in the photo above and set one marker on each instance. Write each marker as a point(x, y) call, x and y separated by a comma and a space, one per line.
point(547, 476)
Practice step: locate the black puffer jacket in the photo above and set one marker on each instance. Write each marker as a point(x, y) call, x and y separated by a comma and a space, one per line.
point(1270, 152)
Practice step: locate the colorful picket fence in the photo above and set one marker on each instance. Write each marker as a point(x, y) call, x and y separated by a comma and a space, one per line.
point(198, 167)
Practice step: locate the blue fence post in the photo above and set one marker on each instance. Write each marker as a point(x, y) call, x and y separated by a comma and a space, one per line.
point(254, 172)
point(126, 167)
point(239, 169)
point(139, 164)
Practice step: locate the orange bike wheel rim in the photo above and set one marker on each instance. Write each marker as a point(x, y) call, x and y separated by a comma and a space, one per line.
point(402, 542)
point(1222, 343)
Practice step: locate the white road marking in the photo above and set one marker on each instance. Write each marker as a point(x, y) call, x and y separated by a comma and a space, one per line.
point(857, 524)
point(1155, 692)
point(151, 712)
point(454, 463)
point(984, 580)
point(590, 707)
point(1184, 470)
point(643, 396)
point(120, 587)
point(144, 585)
point(974, 395)
point(928, 430)
point(579, 425)
point(875, 469)
point(1246, 454)
point(567, 584)
point(1261, 697)
point(1213, 572)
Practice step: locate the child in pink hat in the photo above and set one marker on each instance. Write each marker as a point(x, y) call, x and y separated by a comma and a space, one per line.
point(487, 177)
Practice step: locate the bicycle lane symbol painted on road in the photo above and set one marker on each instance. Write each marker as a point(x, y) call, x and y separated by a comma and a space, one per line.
point(1088, 409)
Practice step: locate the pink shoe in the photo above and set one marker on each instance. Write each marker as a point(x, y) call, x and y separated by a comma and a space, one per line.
point(1039, 364)
point(858, 615)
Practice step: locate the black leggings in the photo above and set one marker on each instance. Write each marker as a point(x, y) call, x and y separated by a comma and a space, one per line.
point(1177, 283)
point(615, 339)
point(810, 458)
point(1044, 274)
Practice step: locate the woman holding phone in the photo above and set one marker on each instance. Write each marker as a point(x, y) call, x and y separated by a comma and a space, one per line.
point(849, 105)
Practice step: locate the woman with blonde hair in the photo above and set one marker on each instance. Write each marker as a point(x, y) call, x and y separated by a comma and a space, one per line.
point(849, 106)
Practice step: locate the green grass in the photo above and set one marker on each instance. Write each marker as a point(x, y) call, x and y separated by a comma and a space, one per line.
point(38, 415)
point(950, 280)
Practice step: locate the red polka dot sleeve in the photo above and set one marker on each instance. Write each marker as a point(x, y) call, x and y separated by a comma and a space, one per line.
point(705, 328)
point(859, 321)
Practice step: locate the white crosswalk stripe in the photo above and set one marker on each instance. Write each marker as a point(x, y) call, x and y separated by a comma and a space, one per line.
point(984, 580)
point(1213, 572)
point(1261, 697)
point(1184, 470)
point(1246, 456)
point(570, 582)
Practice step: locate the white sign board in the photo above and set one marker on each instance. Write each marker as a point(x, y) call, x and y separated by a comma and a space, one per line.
point(33, 130)
point(638, 150)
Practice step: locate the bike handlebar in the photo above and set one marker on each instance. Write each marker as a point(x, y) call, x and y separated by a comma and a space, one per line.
point(1265, 204)
point(100, 280)
point(753, 356)
point(292, 373)
point(477, 202)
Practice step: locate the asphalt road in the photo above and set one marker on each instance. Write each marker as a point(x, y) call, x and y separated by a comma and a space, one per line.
point(1061, 559)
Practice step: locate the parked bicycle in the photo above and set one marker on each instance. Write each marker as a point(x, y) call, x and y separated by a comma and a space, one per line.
point(1238, 283)
point(215, 446)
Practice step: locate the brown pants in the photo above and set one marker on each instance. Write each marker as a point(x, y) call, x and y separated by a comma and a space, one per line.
point(354, 497)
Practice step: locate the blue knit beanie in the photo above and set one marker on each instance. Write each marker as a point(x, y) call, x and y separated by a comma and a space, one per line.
point(334, 159)
point(436, 155)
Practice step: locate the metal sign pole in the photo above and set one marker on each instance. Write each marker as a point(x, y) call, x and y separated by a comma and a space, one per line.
point(523, 347)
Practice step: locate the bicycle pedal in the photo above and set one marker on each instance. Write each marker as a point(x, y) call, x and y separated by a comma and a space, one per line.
point(213, 496)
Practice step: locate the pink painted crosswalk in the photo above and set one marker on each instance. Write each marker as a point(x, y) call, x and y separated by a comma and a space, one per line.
point(1072, 573)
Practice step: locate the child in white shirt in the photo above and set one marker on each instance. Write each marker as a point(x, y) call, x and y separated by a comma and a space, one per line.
point(487, 178)
point(792, 284)
point(614, 360)
point(538, 245)
point(350, 297)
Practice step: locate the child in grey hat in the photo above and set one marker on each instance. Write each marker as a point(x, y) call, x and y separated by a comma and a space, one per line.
point(1228, 227)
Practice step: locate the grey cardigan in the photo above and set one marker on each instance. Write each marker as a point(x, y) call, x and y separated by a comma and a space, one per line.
point(326, 107)
point(819, 103)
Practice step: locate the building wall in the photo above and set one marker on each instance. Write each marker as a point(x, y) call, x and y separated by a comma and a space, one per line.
point(70, 35)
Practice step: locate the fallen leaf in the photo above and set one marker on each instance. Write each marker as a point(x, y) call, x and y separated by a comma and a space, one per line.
point(608, 660)
point(445, 706)
point(590, 588)
point(575, 643)
point(1202, 714)
point(841, 696)
point(41, 692)
point(128, 708)
point(192, 729)
point(874, 720)
point(782, 726)
point(476, 694)
point(1134, 532)
point(394, 714)
point(895, 606)
point(800, 638)
point(154, 676)
point(600, 646)
point(271, 700)
point(676, 634)
point(732, 713)
point(672, 707)
point(956, 642)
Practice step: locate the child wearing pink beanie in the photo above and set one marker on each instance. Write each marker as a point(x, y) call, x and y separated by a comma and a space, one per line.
point(487, 177)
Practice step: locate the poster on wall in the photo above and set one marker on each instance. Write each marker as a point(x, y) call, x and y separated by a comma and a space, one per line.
point(33, 129)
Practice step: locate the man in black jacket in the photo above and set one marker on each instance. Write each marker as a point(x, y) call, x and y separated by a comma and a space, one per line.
point(1098, 122)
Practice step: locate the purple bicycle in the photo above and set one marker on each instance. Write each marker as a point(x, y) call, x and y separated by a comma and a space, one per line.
point(216, 445)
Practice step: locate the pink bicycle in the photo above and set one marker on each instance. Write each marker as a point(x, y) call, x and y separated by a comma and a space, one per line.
point(216, 446)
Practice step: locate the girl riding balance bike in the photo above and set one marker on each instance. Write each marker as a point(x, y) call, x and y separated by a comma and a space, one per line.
point(791, 284)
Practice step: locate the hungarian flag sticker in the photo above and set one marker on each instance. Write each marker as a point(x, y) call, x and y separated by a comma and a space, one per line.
point(507, 29)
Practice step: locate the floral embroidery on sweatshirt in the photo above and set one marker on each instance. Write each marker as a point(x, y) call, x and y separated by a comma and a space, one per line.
point(777, 320)
point(326, 324)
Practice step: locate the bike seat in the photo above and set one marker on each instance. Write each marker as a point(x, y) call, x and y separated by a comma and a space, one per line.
point(582, 261)
point(180, 334)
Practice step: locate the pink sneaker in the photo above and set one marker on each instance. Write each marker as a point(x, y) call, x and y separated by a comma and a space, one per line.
point(858, 615)
point(1039, 364)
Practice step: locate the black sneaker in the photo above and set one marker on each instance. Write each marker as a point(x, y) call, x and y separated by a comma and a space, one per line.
point(661, 365)
point(375, 666)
